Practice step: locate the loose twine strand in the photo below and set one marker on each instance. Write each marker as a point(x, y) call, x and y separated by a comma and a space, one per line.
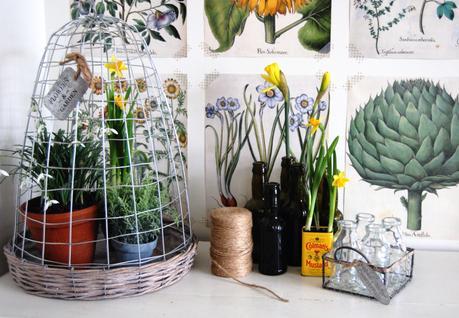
point(82, 66)
point(231, 246)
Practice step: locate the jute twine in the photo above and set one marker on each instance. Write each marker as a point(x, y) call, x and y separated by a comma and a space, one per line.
point(82, 66)
point(231, 245)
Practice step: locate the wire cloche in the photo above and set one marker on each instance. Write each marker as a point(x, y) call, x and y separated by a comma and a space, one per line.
point(102, 205)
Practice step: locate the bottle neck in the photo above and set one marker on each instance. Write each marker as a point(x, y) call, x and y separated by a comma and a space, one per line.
point(257, 186)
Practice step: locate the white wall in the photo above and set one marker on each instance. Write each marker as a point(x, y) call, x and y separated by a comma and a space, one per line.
point(22, 40)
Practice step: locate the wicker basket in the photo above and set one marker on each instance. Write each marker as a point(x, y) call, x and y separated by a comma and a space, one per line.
point(97, 284)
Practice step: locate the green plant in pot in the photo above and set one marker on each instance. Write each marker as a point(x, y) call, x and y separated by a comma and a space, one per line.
point(64, 169)
point(135, 200)
point(135, 225)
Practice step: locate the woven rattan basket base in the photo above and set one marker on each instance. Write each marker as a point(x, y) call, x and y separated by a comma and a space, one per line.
point(96, 284)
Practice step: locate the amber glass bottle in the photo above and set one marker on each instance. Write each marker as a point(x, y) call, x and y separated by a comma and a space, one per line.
point(256, 204)
point(273, 257)
point(295, 213)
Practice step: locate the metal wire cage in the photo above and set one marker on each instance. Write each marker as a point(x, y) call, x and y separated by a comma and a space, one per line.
point(104, 188)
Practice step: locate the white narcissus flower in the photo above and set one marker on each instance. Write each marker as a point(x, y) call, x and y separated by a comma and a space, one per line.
point(49, 203)
point(4, 173)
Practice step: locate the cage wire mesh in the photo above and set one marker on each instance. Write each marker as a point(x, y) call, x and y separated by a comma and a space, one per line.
point(105, 188)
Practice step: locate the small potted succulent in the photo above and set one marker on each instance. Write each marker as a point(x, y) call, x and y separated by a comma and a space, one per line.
point(68, 202)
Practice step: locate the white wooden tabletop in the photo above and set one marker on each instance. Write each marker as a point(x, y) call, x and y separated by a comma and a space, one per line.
point(434, 292)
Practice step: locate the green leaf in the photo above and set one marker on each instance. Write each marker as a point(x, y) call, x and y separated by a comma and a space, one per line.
point(399, 151)
point(183, 11)
point(315, 34)
point(372, 134)
point(392, 166)
point(412, 114)
point(226, 20)
point(425, 152)
point(415, 169)
point(440, 11)
point(407, 129)
point(427, 128)
point(455, 131)
point(435, 164)
point(452, 164)
point(157, 36)
point(171, 30)
point(371, 163)
point(442, 142)
point(387, 132)
point(100, 8)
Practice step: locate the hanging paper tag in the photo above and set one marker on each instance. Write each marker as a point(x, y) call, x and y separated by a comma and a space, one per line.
point(65, 94)
point(372, 282)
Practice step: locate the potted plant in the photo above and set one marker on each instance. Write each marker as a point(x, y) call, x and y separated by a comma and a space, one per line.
point(65, 173)
point(135, 199)
point(135, 234)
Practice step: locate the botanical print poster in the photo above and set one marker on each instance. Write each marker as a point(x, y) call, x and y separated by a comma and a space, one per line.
point(257, 28)
point(404, 29)
point(403, 153)
point(161, 23)
point(175, 88)
point(244, 121)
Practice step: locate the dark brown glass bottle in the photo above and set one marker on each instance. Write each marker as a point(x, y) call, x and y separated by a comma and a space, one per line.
point(256, 204)
point(273, 257)
point(295, 214)
point(285, 164)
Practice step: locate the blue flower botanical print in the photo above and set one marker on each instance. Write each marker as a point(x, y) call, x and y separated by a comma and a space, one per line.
point(211, 111)
point(159, 20)
point(323, 105)
point(222, 103)
point(269, 95)
point(304, 104)
point(233, 104)
point(295, 121)
point(154, 20)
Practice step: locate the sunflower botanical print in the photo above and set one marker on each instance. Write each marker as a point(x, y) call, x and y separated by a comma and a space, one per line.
point(176, 96)
point(227, 19)
point(154, 20)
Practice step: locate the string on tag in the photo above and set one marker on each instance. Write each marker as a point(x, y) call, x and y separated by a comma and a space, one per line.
point(82, 66)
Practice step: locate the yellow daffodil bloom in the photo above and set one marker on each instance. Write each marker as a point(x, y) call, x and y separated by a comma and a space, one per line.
point(272, 7)
point(116, 66)
point(276, 77)
point(325, 82)
point(314, 124)
point(340, 180)
point(119, 101)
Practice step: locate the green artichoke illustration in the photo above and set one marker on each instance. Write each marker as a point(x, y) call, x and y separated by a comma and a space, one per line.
point(407, 138)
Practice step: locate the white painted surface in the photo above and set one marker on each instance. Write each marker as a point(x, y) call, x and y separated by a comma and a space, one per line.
point(22, 41)
point(433, 293)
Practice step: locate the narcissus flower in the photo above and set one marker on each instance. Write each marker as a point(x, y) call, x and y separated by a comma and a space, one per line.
point(96, 85)
point(276, 77)
point(271, 7)
point(340, 180)
point(116, 66)
point(119, 101)
point(314, 123)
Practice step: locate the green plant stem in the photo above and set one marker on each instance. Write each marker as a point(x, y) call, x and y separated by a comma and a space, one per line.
point(270, 29)
point(286, 124)
point(332, 203)
point(377, 28)
point(414, 210)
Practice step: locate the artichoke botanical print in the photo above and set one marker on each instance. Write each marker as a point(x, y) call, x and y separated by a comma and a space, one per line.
point(153, 19)
point(407, 138)
point(444, 9)
point(227, 19)
point(380, 17)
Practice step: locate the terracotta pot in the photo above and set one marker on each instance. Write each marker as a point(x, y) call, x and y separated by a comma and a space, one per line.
point(84, 229)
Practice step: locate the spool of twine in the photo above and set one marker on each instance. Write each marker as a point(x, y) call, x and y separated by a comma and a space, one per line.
point(231, 242)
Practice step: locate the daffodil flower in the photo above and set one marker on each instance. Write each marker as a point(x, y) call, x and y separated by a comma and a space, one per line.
point(119, 101)
point(314, 123)
point(340, 180)
point(116, 66)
